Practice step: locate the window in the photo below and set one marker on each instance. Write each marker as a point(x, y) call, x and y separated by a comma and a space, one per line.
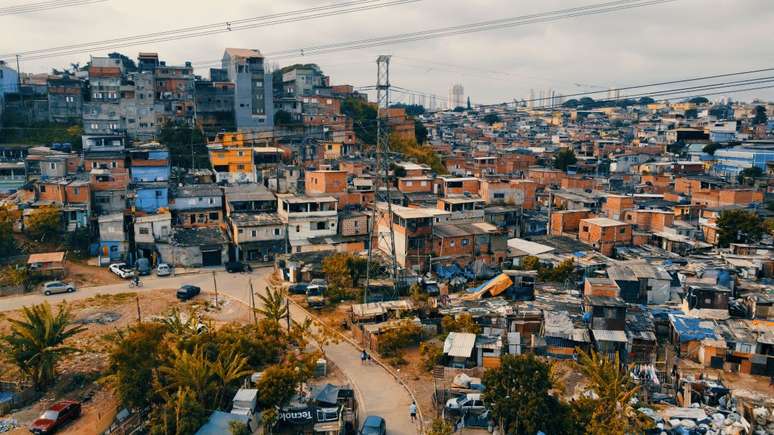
point(585, 228)
point(276, 231)
point(52, 165)
point(93, 165)
point(254, 233)
point(622, 230)
point(452, 243)
point(159, 194)
point(77, 190)
point(465, 242)
point(320, 225)
point(42, 187)
point(409, 183)
point(213, 216)
point(113, 164)
point(144, 230)
point(298, 228)
point(499, 195)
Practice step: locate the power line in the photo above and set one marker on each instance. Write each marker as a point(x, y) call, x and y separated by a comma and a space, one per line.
point(212, 29)
point(504, 23)
point(44, 6)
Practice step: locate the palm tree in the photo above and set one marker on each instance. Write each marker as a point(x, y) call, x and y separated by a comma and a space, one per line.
point(190, 370)
point(180, 326)
point(612, 411)
point(36, 342)
point(274, 303)
point(228, 368)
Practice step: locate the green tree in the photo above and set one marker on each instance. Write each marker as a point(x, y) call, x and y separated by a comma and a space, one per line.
point(760, 116)
point(491, 118)
point(180, 414)
point(469, 105)
point(698, 100)
point(461, 323)
point(36, 342)
point(283, 117)
point(530, 262)
point(440, 427)
point(420, 131)
point(612, 411)
point(187, 145)
point(739, 226)
point(7, 241)
point(405, 334)
point(432, 355)
point(16, 276)
point(277, 385)
point(691, 114)
point(646, 100)
point(238, 428)
point(363, 115)
point(189, 371)
point(564, 158)
point(78, 241)
point(133, 360)
point(356, 266)
point(336, 271)
point(518, 393)
point(45, 224)
point(229, 368)
point(748, 175)
point(273, 304)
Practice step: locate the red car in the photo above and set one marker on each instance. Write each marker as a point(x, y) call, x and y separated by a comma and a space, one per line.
point(56, 416)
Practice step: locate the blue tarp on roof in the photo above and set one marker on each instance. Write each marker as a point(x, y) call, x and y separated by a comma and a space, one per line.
point(692, 329)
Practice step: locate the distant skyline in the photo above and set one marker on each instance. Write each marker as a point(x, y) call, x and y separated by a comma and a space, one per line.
point(675, 40)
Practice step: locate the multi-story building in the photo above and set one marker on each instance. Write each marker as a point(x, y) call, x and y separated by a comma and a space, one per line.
point(102, 111)
point(257, 235)
point(197, 205)
point(731, 161)
point(65, 99)
point(307, 217)
point(150, 170)
point(174, 93)
point(253, 95)
point(215, 104)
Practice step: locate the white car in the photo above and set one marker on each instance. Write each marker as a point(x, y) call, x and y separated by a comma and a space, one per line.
point(122, 270)
point(470, 402)
point(163, 269)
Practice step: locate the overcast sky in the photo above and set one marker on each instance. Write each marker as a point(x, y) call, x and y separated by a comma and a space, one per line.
point(676, 40)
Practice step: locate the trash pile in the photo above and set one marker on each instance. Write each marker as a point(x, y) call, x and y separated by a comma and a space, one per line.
point(764, 421)
point(8, 424)
point(102, 318)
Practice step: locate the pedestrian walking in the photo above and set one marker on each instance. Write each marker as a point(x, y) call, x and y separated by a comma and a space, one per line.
point(363, 357)
point(413, 411)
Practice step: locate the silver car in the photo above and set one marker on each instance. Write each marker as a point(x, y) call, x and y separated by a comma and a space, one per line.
point(52, 287)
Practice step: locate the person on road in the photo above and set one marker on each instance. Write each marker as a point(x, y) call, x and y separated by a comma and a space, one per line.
point(363, 357)
point(136, 280)
point(413, 411)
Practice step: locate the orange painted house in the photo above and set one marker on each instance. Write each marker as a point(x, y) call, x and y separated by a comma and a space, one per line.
point(605, 234)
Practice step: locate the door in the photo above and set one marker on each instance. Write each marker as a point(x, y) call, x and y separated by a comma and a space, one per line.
point(211, 258)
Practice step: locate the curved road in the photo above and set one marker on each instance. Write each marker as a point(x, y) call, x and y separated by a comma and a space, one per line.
point(378, 392)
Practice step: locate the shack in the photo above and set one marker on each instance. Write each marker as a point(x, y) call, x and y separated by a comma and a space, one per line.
point(47, 264)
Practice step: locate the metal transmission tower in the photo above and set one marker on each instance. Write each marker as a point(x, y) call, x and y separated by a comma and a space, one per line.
point(382, 169)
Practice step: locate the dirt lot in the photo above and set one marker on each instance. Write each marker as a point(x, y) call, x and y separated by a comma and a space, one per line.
point(80, 372)
point(84, 275)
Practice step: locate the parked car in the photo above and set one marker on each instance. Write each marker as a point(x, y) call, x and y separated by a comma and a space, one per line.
point(52, 287)
point(238, 266)
point(298, 289)
point(374, 425)
point(122, 270)
point(56, 416)
point(468, 403)
point(187, 292)
point(163, 269)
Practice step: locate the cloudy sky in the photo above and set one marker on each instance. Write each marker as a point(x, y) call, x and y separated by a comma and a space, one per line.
point(681, 39)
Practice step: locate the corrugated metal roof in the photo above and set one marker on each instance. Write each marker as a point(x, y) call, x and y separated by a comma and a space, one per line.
point(46, 257)
point(607, 335)
point(459, 344)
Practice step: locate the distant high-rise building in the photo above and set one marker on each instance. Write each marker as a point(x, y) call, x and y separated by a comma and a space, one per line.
point(456, 96)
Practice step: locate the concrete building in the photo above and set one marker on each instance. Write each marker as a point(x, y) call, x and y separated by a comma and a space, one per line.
point(732, 161)
point(253, 95)
point(9, 79)
point(102, 113)
point(150, 170)
point(456, 96)
point(197, 205)
point(307, 217)
point(257, 236)
point(65, 99)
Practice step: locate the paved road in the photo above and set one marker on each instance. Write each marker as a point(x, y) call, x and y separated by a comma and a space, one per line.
point(379, 393)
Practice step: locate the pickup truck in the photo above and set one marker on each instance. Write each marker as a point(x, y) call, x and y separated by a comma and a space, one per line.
point(122, 270)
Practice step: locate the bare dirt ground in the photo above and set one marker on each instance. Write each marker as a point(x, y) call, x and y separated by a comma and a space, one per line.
point(84, 275)
point(81, 371)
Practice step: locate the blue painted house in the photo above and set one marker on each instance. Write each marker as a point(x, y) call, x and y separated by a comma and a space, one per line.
point(150, 170)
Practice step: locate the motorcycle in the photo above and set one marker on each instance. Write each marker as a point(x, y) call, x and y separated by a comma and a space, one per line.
point(135, 283)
